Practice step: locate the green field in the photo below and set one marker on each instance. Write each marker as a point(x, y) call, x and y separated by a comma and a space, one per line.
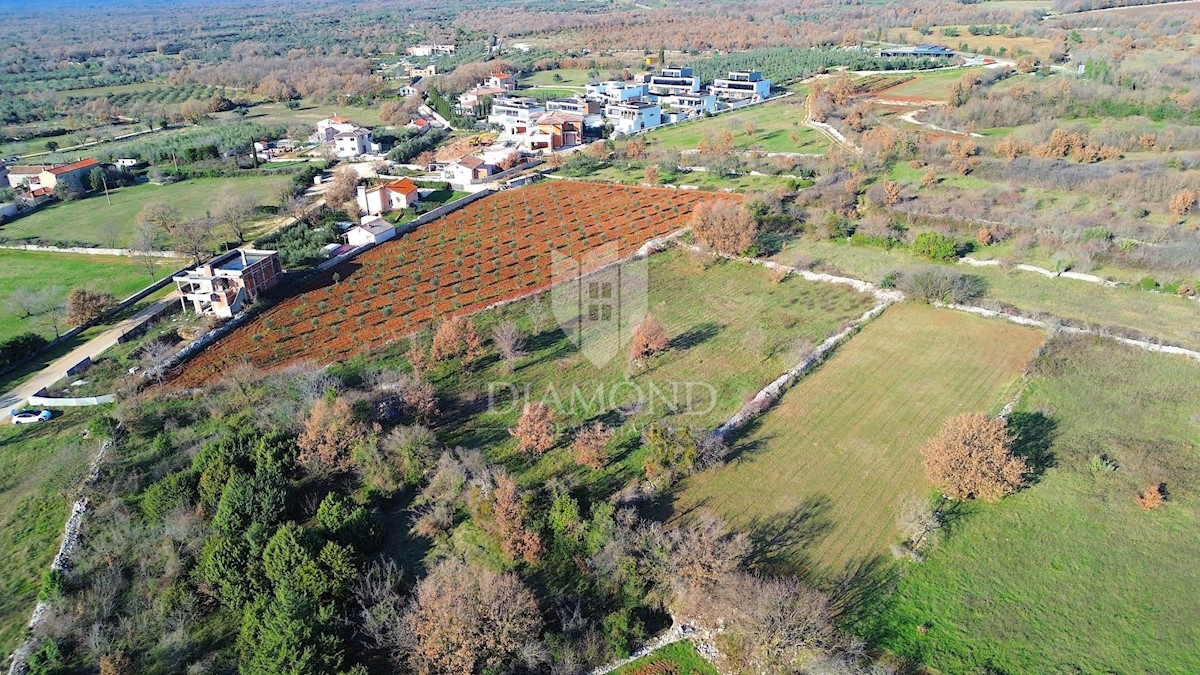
point(682, 655)
point(63, 272)
point(935, 86)
point(40, 467)
point(823, 474)
point(86, 220)
point(1169, 317)
point(775, 124)
point(700, 179)
point(1072, 564)
point(307, 114)
point(568, 77)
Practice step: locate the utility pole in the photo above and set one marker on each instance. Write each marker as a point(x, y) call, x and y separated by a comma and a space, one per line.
point(104, 179)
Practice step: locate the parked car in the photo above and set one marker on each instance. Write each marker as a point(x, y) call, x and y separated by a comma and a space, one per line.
point(30, 416)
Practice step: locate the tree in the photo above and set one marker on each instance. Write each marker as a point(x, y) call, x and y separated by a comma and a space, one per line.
point(1181, 203)
point(330, 434)
point(84, 306)
point(510, 343)
point(31, 302)
point(891, 192)
point(535, 431)
point(1151, 498)
point(510, 511)
point(194, 237)
point(724, 226)
point(972, 458)
point(591, 446)
point(194, 111)
point(157, 214)
point(96, 178)
point(651, 176)
point(234, 211)
point(456, 337)
point(147, 240)
point(935, 246)
point(343, 188)
point(649, 338)
point(930, 179)
point(464, 619)
point(403, 457)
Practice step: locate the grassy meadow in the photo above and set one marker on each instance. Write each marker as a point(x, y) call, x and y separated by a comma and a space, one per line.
point(777, 126)
point(1072, 564)
point(818, 480)
point(41, 465)
point(680, 655)
point(92, 221)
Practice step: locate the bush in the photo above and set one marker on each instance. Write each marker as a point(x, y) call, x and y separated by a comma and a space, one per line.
point(972, 458)
point(20, 347)
point(937, 247)
point(939, 285)
point(347, 522)
point(174, 491)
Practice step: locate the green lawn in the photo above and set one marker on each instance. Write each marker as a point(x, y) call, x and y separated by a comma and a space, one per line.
point(822, 475)
point(568, 77)
point(778, 126)
point(1168, 317)
point(682, 655)
point(40, 467)
point(935, 85)
point(700, 179)
point(307, 114)
point(87, 220)
point(63, 272)
point(1072, 566)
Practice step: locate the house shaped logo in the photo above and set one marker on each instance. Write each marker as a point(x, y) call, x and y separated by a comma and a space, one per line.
point(598, 300)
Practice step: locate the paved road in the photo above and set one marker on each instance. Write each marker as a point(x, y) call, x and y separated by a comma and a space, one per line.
point(93, 348)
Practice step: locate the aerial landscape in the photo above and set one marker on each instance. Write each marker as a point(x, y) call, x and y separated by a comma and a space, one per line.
point(671, 337)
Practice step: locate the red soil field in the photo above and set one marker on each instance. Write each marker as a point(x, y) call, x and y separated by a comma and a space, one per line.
point(494, 249)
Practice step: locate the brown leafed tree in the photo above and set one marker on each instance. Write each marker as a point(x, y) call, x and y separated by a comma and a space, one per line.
point(891, 192)
point(652, 177)
point(972, 457)
point(535, 431)
point(463, 619)
point(1181, 203)
point(343, 188)
point(84, 305)
point(930, 179)
point(510, 343)
point(724, 226)
point(456, 337)
point(591, 446)
point(417, 357)
point(517, 540)
point(1151, 498)
point(330, 434)
point(234, 211)
point(649, 338)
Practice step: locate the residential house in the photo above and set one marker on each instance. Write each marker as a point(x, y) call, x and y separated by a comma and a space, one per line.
point(514, 114)
point(410, 89)
point(394, 196)
point(25, 176)
point(615, 91)
point(127, 163)
point(429, 50)
point(554, 131)
point(224, 285)
point(73, 175)
point(474, 100)
point(687, 106)
point(592, 111)
point(467, 170)
point(332, 126)
point(742, 84)
point(672, 81)
point(633, 116)
point(354, 143)
point(428, 71)
point(374, 230)
point(505, 81)
point(419, 124)
point(920, 51)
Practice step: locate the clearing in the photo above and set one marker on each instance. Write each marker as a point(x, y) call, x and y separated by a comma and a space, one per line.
point(777, 126)
point(680, 658)
point(62, 272)
point(93, 222)
point(1072, 563)
point(818, 480)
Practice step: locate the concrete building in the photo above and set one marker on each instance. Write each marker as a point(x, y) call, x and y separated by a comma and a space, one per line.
point(514, 114)
point(742, 84)
point(222, 286)
point(354, 143)
point(396, 195)
point(332, 126)
point(673, 81)
point(430, 50)
point(555, 131)
point(615, 91)
point(687, 106)
point(373, 230)
point(920, 51)
point(633, 116)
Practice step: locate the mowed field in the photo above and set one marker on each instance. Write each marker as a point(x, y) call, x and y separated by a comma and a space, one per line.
point(1070, 575)
point(40, 466)
point(822, 474)
point(934, 86)
point(93, 221)
point(777, 126)
point(62, 272)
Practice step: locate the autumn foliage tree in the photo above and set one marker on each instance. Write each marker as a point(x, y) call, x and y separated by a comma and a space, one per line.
point(972, 457)
point(84, 305)
point(517, 539)
point(1151, 498)
point(1181, 203)
point(463, 619)
point(591, 446)
point(724, 226)
point(649, 338)
point(535, 431)
point(330, 435)
point(456, 337)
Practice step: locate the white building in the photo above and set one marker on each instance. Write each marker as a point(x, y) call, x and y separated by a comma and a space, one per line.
point(374, 230)
point(742, 84)
point(633, 116)
point(470, 101)
point(505, 81)
point(592, 111)
point(332, 126)
point(354, 143)
point(395, 196)
point(673, 81)
point(429, 50)
point(616, 91)
point(687, 106)
point(514, 114)
point(223, 285)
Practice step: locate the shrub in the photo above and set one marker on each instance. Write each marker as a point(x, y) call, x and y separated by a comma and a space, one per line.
point(937, 247)
point(348, 523)
point(455, 337)
point(939, 285)
point(1151, 498)
point(591, 446)
point(649, 338)
point(20, 347)
point(171, 492)
point(971, 457)
point(330, 435)
point(535, 431)
point(84, 306)
point(724, 226)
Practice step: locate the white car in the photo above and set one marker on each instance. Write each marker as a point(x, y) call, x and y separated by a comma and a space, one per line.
point(30, 416)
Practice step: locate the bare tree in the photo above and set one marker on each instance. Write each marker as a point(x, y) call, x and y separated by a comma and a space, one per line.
point(343, 188)
point(194, 237)
point(162, 216)
point(234, 211)
point(30, 302)
point(539, 313)
point(510, 343)
point(146, 241)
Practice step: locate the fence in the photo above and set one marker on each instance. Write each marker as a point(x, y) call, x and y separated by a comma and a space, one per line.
point(76, 402)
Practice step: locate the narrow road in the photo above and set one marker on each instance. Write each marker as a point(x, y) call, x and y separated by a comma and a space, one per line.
point(93, 348)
